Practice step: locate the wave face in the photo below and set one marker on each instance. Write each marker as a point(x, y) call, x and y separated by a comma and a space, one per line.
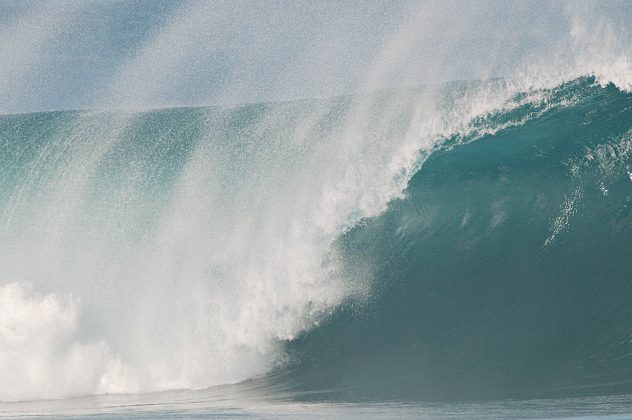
point(467, 241)
point(504, 271)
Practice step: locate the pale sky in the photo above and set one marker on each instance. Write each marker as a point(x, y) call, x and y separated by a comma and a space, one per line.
point(154, 53)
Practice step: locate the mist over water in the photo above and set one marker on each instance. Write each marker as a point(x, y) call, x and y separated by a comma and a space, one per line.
point(177, 179)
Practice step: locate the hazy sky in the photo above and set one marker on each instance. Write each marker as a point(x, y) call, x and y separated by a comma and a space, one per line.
point(153, 53)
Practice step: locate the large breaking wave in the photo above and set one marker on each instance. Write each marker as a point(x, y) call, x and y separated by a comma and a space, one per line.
point(467, 240)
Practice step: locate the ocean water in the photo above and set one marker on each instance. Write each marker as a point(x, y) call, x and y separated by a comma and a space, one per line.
point(230, 402)
point(304, 209)
point(379, 255)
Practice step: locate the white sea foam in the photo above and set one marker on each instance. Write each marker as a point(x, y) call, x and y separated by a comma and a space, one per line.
point(41, 354)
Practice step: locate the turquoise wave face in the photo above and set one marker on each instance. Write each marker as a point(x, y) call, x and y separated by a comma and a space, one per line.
point(505, 271)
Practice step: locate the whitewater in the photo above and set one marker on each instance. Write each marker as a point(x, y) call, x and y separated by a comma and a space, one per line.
point(419, 245)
